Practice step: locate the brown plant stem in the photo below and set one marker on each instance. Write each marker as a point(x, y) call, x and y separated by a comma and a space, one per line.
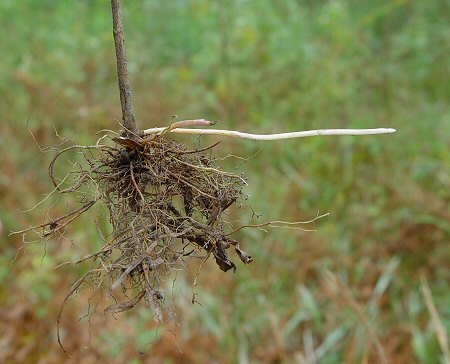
point(126, 99)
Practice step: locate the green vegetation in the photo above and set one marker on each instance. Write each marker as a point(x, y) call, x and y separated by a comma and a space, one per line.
point(260, 66)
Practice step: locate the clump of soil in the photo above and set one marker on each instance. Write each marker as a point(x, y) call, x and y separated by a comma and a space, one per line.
point(166, 204)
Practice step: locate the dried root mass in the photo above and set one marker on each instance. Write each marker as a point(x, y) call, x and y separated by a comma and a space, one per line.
point(166, 204)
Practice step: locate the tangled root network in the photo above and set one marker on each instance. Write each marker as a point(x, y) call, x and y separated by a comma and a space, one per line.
point(166, 204)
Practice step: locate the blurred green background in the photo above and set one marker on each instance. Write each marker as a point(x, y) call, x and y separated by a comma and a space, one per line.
point(330, 296)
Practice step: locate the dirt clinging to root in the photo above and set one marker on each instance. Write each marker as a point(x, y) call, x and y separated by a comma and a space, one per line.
point(166, 204)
